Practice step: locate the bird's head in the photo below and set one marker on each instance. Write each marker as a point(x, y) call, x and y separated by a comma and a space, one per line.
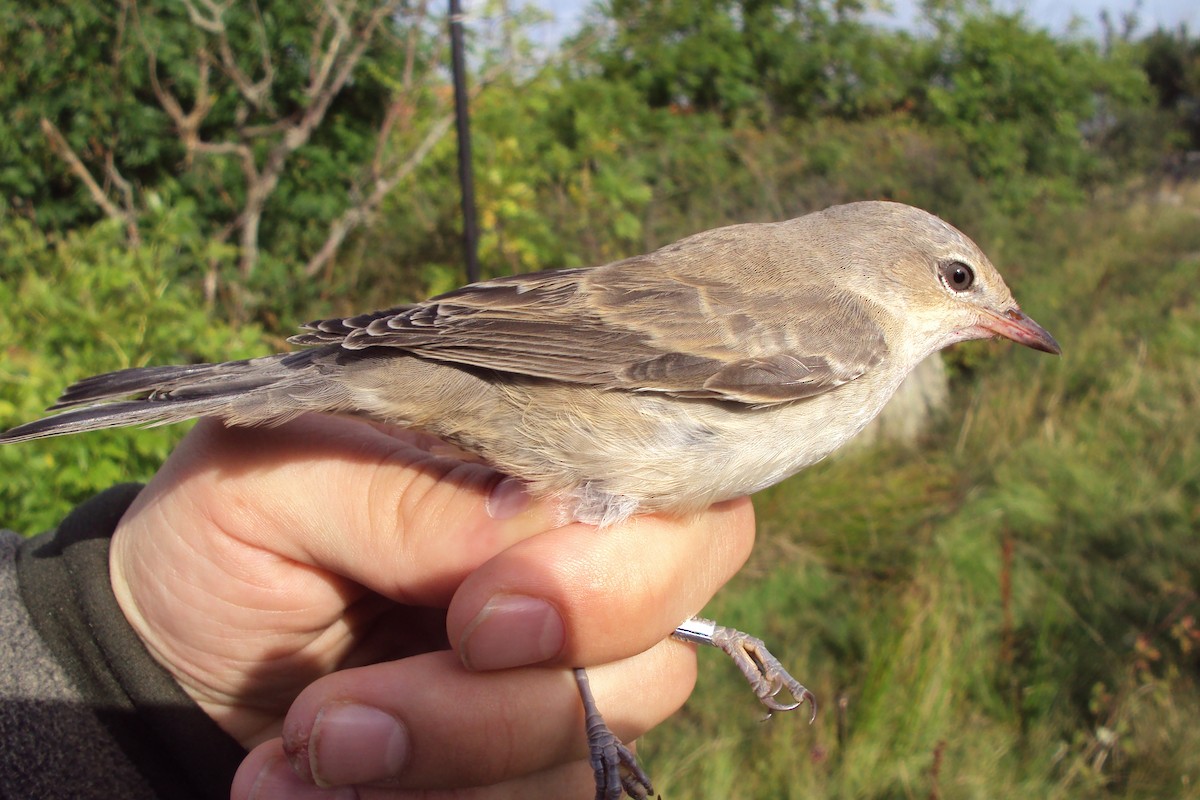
point(939, 284)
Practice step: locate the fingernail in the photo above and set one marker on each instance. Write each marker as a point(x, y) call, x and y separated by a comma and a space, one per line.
point(277, 781)
point(511, 631)
point(508, 498)
point(352, 744)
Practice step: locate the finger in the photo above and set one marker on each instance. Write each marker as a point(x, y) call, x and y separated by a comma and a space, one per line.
point(579, 596)
point(282, 528)
point(375, 505)
point(267, 775)
point(427, 722)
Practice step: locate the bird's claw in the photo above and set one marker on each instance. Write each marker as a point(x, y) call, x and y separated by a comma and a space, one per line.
point(614, 765)
point(763, 671)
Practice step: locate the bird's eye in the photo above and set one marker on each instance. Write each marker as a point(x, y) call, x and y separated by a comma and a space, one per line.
point(956, 275)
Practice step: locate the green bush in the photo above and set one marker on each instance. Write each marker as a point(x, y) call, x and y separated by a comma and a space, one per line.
point(87, 303)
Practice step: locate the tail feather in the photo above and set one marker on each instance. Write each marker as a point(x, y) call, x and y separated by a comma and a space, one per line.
point(264, 390)
point(109, 415)
point(143, 381)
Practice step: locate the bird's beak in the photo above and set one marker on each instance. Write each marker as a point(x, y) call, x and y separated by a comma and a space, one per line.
point(1015, 324)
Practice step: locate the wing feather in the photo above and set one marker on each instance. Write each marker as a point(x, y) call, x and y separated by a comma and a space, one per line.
point(664, 322)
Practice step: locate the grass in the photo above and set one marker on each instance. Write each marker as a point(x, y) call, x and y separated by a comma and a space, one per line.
point(1010, 609)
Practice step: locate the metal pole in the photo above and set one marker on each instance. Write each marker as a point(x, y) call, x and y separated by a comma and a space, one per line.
point(466, 175)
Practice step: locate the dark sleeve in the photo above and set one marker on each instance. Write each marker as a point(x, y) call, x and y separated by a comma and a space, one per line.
point(85, 711)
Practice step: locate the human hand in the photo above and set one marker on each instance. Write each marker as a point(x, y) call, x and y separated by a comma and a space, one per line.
point(305, 584)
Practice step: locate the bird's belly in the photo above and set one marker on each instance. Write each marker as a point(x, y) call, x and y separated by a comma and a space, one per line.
point(616, 453)
point(610, 454)
point(736, 452)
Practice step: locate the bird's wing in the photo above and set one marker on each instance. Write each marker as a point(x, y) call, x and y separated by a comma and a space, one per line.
point(634, 325)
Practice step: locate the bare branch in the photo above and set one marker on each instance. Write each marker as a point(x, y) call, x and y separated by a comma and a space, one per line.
point(410, 44)
point(331, 8)
point(363, 37)
point(255, 92)
point(118, 180)
point(211, 23)
point(328, 57)
point(315, 48)
point(58, 143)
point(397, 110)
point(341, 37)
point(217, 9)
point(364, 206)
point(250, 218)
point(244, 152)
point(186, 122)
point(322, 91)
point(325, 90)
point(223, 148)
point(264, 43)
point(359, 213)
point(267, 130)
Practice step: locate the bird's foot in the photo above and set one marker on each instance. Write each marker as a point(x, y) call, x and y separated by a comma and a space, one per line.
point(763, 671)
point(614, 765)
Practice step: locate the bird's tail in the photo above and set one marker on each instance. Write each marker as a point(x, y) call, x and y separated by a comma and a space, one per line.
point(264, 390)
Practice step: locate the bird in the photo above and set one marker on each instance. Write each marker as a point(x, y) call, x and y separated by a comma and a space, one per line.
point(705, 370)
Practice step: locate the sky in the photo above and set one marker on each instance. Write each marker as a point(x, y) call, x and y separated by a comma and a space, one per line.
point(1055, 15)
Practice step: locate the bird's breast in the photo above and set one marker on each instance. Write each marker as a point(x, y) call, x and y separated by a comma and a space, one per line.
point(617, 453)
point(613, 453)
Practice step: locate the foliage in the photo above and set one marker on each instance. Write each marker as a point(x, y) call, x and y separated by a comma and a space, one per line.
point(84, 303)
point(766, 59)
point(1022, 101)
point(1030, 108)
point(74, 63)
point(557, 184)
point(1171, 60)
point(119, 79)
